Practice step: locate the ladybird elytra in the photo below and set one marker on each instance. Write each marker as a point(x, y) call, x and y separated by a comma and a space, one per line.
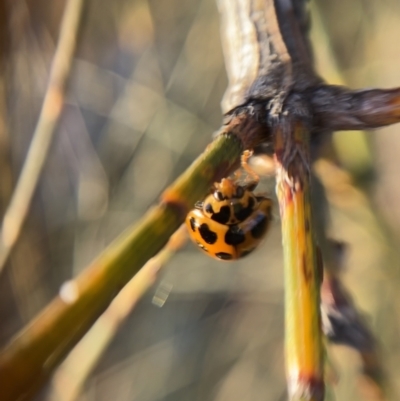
point(201, 229)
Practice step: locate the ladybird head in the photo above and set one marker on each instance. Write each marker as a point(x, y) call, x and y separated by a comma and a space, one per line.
point(230, 203)
point(225, 189)
point(228, 189)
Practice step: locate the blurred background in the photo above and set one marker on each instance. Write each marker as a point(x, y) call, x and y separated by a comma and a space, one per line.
point(142, 103)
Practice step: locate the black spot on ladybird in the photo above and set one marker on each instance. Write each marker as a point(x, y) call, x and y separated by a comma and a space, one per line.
point(223, 256)
point(259, 229)
point(223, 215)
point(208, 236)
point(239, 192)
point(234, 236)
point(219, 196)
point(192, 222)
point(242, 213)
point(251, 203)
point(208, 208)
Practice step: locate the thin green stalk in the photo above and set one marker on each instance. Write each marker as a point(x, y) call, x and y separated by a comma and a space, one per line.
point(303, 336)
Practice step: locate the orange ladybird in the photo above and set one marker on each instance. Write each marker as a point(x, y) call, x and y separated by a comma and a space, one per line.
point(231, 222)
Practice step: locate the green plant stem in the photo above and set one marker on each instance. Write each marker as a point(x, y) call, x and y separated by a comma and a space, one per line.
point(33, 354)
point(303, 335)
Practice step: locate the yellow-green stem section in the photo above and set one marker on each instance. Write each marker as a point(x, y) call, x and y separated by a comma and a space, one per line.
point(303, 344)
point(34, 353)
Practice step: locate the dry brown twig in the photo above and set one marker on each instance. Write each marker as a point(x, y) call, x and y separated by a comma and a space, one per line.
point(49, 115)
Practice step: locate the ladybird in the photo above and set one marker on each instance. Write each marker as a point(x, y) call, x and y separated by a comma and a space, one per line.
point(231, 222)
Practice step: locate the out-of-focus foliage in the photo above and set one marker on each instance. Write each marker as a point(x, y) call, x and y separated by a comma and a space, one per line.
point(142, 103)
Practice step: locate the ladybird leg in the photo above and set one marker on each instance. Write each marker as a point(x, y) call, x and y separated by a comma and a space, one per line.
point(244, 162)
point(199, 205)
